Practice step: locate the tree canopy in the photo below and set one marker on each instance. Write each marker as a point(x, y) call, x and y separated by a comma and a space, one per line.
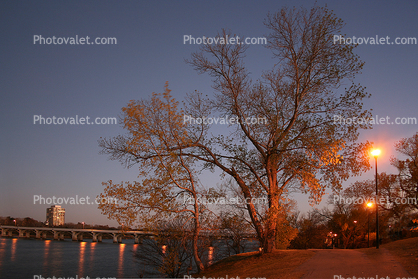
point(300, 146)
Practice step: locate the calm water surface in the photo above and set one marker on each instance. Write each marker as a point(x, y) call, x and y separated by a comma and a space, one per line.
point(24, 258)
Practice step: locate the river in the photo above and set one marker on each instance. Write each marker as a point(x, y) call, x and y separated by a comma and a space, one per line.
point(36, 259)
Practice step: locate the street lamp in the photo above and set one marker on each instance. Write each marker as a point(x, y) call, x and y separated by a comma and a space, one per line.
point(354, 234)
point(376, 154)
point(369, 205)
point(335, 240)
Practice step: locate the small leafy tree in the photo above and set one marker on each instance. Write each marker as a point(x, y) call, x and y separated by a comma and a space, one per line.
point(170, 253)
point(235, 228)
point(286, 231)
point(408, 168)
point(312, 231)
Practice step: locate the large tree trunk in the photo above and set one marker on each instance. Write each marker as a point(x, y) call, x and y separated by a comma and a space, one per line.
point(251, 210)
point(198, 261)
point(273, 212)
point(271, 226)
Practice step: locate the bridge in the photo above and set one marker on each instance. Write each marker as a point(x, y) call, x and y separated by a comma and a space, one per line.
point(75, 234)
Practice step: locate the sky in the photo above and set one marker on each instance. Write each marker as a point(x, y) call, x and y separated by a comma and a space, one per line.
point(63, 80)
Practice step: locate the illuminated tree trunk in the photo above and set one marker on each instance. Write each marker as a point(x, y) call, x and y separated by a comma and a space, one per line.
point(198, 261)
point(273, 196)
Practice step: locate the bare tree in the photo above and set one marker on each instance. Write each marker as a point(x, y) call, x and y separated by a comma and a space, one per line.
point(301, 144)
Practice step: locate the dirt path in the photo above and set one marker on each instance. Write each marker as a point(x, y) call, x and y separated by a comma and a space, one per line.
point(347, 263)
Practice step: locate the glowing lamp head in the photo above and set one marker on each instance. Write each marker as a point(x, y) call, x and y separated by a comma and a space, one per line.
point(376, 152)
point(369, 204)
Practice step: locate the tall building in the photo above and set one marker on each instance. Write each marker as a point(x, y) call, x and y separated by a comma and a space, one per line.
point(55, 215)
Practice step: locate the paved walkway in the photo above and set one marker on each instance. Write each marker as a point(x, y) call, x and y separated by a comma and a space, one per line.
point(347, 263)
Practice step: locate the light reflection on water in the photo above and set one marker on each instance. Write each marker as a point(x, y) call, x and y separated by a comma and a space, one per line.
point(24, 258)
point(210, 256)
point(92, 249)
point(81, 261)
point(14, 242)
point(46, 253)
point(121, 254)
point(2, 250)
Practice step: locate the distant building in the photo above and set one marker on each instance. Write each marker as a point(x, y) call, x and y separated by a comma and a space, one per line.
point(55, 215)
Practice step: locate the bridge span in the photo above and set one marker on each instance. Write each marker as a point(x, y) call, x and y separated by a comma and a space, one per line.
point(75, 234)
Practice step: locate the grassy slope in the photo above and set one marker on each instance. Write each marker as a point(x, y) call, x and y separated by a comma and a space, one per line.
point(404, 251)
point(285, 262)
point(253, 264)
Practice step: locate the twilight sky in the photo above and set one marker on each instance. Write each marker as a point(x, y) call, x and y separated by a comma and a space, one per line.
point(98, 80)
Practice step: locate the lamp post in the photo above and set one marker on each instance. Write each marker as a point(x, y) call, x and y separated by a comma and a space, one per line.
point(336, 240)
point(376, 154)
point(368, 224)
point(354, 234)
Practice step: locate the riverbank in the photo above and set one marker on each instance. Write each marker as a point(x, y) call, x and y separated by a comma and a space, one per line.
point(256, 265)
point(292, 264)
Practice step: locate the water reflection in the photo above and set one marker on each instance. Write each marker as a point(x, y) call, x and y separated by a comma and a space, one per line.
point(210, 255)
point(14, 243)
point(2, 250)
point(135, 247)
point(120, 265)
point(24, 258)
point(81, 261)
point(92, 249)
point(46, 253)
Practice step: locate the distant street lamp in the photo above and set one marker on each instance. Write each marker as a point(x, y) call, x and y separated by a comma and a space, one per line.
point(376, 154)
point(83, 224)
point(354, 233)
point(369, 205)
point(14, 220)
point(335, 240)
